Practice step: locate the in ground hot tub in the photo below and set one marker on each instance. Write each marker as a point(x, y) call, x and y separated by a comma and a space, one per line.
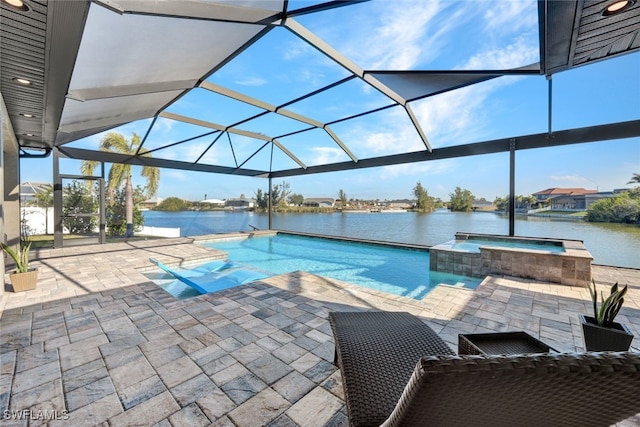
point(478, 255)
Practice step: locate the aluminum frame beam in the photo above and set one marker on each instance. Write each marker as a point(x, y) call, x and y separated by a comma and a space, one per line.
point(277, 110)
point(246, 133)
point(103, 156)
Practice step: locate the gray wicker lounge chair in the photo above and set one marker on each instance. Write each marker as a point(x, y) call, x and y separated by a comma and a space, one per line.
point(377, 354)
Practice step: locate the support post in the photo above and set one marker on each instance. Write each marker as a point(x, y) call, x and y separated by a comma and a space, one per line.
point(512, 187)
point(57, 200)
point(269, 203)
point(550, 105)
point(102, 237)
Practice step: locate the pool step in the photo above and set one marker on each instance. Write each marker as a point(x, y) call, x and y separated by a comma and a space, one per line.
point(213, 276)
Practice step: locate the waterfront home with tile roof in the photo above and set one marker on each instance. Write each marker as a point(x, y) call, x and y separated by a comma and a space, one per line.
point(567, 198)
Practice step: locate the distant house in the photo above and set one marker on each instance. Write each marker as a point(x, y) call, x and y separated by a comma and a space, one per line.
point(400, 204)
point(29, 190)
point(569, 198)
point(240, 203)
point(213, 202)
point(590, 199)
point(150, 203)
point(319, 202)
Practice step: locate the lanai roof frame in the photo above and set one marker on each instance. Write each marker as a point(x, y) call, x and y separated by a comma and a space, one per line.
point(562, 47)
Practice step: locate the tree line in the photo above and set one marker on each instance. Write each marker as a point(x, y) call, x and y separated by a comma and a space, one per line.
point(123, 215)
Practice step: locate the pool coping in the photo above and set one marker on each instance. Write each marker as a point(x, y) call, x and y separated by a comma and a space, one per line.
point(229, 236)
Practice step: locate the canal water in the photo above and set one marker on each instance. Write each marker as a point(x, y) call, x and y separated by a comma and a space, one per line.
point(610, 244)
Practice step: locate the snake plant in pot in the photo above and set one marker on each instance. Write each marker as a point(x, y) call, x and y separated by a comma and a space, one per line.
point(600, 332)
point(23, 278)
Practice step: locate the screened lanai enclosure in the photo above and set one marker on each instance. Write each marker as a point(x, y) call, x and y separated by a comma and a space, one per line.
point(277, 89)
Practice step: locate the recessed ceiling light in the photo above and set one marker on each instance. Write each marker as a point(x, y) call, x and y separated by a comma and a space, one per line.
point(617, 7)
point(22, 81)
point(28, 116)
point(28, 134)
point(17, 5)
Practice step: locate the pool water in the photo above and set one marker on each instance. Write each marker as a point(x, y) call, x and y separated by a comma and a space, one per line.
point(473, 245)
point(395, 270)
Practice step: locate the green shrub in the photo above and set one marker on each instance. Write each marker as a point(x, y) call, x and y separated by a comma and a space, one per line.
point(623, 207)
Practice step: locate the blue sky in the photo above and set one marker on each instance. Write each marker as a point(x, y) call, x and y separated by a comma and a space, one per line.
point(405, 35)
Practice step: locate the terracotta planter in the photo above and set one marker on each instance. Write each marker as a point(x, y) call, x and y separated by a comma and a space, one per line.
point(24, 281)
point(597, 338)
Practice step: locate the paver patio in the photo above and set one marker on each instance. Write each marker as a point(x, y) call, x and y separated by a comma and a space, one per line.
point(98, 343)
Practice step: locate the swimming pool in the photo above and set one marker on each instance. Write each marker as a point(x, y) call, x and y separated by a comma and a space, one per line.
point(393, 269)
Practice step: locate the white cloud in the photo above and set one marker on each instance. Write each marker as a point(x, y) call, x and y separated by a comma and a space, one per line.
point(385, 133)
point(454, 118)
point(251, 81)
point(163, 125)
point(397, 39)
point(510, 15)
point(326, 155)
point(572, 179)
point(419, 170)
point(314, 77)
point(523, 51)
point(380, 143)
point(175, 175)
point(296, 48)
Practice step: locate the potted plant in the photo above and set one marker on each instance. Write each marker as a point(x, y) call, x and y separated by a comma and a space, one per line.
point(600, 332)
point(23, 278)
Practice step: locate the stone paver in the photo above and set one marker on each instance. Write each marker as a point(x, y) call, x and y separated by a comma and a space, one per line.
point(191, 415)
point(315, 409)
point(242, 388)
point(294, 386)
point(259, 410)
point(99, 343)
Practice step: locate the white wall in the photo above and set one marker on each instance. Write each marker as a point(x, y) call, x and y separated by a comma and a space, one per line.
point(37, 220)
point(40, 221)
point(159, 231)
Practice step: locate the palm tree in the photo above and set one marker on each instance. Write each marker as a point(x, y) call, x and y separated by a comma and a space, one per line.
point(635, 179)
point(114, 142)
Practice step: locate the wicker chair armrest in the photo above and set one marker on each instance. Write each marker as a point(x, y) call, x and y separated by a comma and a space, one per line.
point(588, 389)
